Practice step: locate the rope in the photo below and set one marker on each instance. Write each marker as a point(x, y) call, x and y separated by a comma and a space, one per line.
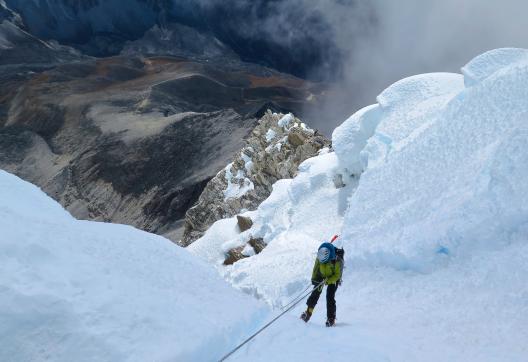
point(297, 297)
point(268, 324)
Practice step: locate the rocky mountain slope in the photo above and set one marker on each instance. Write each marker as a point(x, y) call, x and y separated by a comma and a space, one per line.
point(274, 150)
point(134, 140)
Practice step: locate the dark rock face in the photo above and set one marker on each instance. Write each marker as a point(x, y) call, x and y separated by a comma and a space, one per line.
point(244, 223)
point(132, 140)
point(234, 255)
point(257, 244)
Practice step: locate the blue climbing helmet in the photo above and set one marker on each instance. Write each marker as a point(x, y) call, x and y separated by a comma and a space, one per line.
point(326, 253)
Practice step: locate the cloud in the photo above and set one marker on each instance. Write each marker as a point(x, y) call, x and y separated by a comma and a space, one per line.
point(384, 41)
point(414, 36)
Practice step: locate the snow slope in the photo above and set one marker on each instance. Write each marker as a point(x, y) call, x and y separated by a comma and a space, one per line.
point(83, 291)
point(433, 217)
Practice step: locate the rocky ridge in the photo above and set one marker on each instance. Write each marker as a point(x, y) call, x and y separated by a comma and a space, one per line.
point(274, 150)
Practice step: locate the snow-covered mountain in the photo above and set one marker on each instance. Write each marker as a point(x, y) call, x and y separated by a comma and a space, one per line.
point(428, 191)
point(84, 291)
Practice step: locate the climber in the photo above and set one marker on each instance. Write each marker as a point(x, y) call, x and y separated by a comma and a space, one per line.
point(328, 268)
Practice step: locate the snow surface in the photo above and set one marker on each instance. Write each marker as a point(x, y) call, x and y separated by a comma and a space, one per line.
point(248, 162)
point(286, 120)
point(488, 63)
point(270, 135)
point(84, 291)
point(433, 217)
point(238, 185)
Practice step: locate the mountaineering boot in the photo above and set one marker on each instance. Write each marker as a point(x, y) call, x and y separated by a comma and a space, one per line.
point(330, 322)
point(305, 316)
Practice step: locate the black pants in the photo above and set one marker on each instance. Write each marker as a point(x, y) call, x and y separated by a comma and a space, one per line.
point(330, 300)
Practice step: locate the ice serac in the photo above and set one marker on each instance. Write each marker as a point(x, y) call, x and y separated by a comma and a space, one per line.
point(274, 150)
point(85, 291)
point(447, 177)
point(427, 190)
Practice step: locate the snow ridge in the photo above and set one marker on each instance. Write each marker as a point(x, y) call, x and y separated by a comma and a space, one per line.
point(428, 190)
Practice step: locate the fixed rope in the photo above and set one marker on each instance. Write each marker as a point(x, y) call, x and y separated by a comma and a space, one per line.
point(269, 323)
point(301, 295)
